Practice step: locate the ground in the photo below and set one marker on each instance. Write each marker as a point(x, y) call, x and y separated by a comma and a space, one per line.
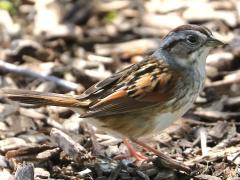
point(66, 46)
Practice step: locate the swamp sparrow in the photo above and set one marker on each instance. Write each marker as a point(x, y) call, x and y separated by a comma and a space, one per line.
point(146, 97)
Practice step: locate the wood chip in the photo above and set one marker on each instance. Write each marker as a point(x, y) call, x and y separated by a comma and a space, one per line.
point(32, 150)
point(25, 172)
point(84, 172)
point(216, 115)
point(219, 130)
point(207, 177)
point(68, 145)
point(12, 143)
point(41, 173)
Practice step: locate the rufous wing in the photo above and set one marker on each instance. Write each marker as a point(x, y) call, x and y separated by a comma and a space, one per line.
point(149, 84)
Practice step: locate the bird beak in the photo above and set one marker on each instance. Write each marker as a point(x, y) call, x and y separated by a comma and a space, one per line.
point(212, 42)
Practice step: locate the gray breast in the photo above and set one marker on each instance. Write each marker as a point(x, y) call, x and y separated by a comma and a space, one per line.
point(189, 88)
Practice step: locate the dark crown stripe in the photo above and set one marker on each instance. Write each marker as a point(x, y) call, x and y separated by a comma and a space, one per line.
point(201, 29)
point(170, 42)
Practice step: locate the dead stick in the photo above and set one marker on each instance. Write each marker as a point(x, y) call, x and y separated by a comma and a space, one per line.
point(214, 154)
point(4, 66)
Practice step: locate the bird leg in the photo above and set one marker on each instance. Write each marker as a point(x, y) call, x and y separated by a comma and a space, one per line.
point(137, 155)
point(147, 147)
point(165, 158)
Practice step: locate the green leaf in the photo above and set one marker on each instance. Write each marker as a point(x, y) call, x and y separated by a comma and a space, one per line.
point(6, 5)
point(110, 16)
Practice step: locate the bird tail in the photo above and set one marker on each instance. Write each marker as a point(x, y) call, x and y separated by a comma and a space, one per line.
point(41, 98)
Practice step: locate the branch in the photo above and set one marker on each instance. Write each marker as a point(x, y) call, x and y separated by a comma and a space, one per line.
point(4, 66)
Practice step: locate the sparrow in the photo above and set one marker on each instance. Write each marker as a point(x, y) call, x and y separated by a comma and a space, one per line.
point(146, 97)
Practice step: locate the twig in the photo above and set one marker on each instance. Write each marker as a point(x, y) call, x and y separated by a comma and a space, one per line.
point(206, 177)
point(213, 155)
point(203, 137)
point(216, 115)
point(4, 66)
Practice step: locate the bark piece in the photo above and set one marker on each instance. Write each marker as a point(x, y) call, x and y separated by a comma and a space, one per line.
point(11, 143)
point(25, 172)
point(206, 177)
point(4, 66)
point(41, 173)
point(219, 130)
point(68, 145)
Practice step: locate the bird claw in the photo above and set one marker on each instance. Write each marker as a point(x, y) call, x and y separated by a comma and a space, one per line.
point(137, 155)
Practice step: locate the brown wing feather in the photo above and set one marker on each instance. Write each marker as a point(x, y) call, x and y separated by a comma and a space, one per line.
point(41, 98)
point(150, 83)
point(96, 89)
point(139, 86)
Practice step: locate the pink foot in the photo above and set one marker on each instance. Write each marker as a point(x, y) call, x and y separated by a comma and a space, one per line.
point(137, 155)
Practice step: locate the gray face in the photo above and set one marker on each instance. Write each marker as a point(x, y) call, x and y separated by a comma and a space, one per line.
point(189, 42)
point(186, 47)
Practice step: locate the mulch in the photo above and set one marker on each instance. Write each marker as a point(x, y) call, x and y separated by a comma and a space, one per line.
point(66, 46)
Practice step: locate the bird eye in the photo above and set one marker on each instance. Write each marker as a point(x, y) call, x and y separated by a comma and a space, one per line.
point(192, 39)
